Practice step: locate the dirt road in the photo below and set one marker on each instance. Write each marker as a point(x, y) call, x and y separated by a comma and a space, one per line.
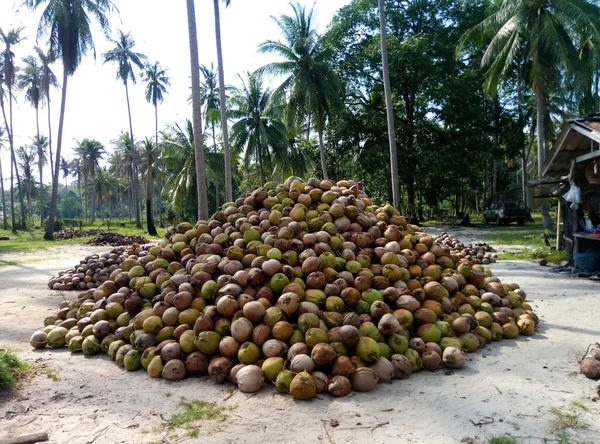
point(510, 387)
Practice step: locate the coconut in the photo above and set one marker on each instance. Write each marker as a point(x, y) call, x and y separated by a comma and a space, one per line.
point(229, 347)
point(272, 367)
point(248, 353)
point(364, 379)
point(174, 370)
point(388, 325)
point(299, 348)
point(342, 366)
point(320, 379)
point(196, 362)
point(349, 335)
point(303, 386)
point(302, 363)
point(431, 360)
point(367, 349)
point(590, 367)
point(38, 339)
point(384, 369)
point(219, 368)
point(250, 379)
point(284, 380)
point(339, 386)
point(323, 355)
point(402, 366)
point(453, 358)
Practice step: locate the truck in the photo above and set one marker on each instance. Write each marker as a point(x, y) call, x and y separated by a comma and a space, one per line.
point(503, 213)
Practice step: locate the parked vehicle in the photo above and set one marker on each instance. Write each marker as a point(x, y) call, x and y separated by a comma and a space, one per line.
point(503, 213)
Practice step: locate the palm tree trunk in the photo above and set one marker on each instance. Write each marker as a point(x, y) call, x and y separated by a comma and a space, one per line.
point(12, 198)
point(322, 153)
point(149, 218)
point(4, 215)
point(49, 235)
point(40, 165)
point(197, 113)
point(14, 158)
point(136, 191)
point(93, 194)
point(50, 136)
point(541, 113)
point(214, 137)
point(156, 124)
point(389, 108)
point(223, 106)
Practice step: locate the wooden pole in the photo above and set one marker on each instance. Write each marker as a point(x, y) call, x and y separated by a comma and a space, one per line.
point(558, 224)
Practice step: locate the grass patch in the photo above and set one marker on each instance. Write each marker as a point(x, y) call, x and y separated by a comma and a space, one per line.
point(533, 254)
point(504, 439)
point(230, 389)
point(52, 375)
point(6, 263)
point(33, 240)
point(563, 420)
point(193, 412)
point(12, 370)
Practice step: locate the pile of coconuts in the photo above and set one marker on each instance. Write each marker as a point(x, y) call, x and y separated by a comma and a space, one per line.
point(94, 269)
point(305, 285)
point(476, 253)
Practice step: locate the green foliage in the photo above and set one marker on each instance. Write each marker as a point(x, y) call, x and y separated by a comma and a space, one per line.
point(69, 208)
point(504, 439)
point(11, 369)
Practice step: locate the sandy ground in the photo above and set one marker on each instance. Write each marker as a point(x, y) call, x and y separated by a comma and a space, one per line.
point(508, 387)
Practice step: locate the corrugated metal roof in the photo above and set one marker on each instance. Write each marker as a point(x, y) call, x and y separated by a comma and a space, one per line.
point(577, 137)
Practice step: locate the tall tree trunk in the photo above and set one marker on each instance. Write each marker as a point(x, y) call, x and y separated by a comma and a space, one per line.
point(149, 218)
point(4, 215)
point(40, 165)
point(156, 124)
point(14, 158)
point(12, 198)
point(540, 100)
point(389, 108)
point(322, 153)
point(50, 137)
point(136, 189)
point(214, 137)
point(93, 194)
point(197, 113)
point(223, 105)
point(48, 235)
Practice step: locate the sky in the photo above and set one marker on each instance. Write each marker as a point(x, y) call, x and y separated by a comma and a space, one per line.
point(96, 105)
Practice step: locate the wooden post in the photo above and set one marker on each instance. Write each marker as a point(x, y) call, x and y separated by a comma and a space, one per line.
point(558, 224)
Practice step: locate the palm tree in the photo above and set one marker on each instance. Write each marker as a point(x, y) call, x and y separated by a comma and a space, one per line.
point(65, 167)
point(259, 128)
point(150, 149)
point(128, 166)
point(313, 86)
point(540, 33)
point(389, 106)
point(223, 101)
point(68, 25)
point(48, 80)
point(156, 85)
point(125, 58)
point(40, 143)
point(89, 152)
point(29, 80)
point(209, 100)
point(197, 113)
point(10, 39)
point(26, 157)
point(4, 215)
point(76, 167)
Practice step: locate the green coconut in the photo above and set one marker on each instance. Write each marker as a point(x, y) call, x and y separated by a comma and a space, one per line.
point(208, 342)
point(398, 343)
point(113, 348)
point(272, 367)
point(385, 351)
point(284, 380)
point(90, 346)
point(307, 321)
point(315, 336)
point(248, 353)
point(132, 360)
point(76, 343)
point(429, 333)
point(470, 342)
point(414, 358)
point(367, 349)
point(155, 367)
point(451, 342)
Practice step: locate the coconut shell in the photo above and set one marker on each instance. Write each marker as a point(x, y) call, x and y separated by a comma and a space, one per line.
point(590, 367)
point(303, 386)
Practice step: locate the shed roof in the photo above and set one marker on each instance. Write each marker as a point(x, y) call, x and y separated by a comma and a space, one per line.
point(579, 140)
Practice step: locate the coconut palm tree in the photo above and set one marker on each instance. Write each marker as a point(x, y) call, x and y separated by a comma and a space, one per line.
point(259, 128)
point(313, 86)
point(126, 58)
point(149, 151)
point(541, 34)
point(157, 84)
point(197, 113)
point(40, 143)
point(89, 152)
point(389, 106)
point(76, 167)
point(4, 215)
point(128, 166)
point(48, 81)
point(223, 101)
point(65, 167)
point(68, 26)
point(26, 155)
point(10, 39)
point(29, 80)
